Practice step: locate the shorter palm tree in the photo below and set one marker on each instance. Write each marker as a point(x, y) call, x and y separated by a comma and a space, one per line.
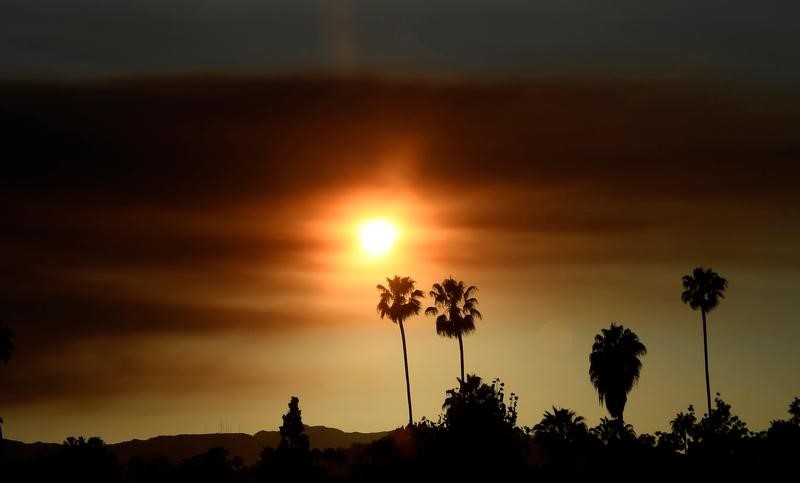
point(562, 425)
point(682, 426)
point(456, 307)
point(614, 366)
point(613, 431)
point(563, 438)
point(398, 302)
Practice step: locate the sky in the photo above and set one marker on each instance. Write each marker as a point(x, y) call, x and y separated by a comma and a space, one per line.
point(631, 38)
point(180, 254)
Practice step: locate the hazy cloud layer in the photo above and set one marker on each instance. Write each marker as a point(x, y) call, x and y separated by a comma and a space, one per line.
point(134, 210)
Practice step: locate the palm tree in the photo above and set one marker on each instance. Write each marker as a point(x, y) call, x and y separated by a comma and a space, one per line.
point(458, 311)
point(562, 425)
point(703, 289)
point(398, 302)
point(614, 366)
point(682, 426)
point(613, 431)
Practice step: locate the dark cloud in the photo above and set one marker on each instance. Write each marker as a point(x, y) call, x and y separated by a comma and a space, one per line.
point(91, 372)
point(130, 207)
point(93, 315)
point(161, 173)
point(206, 142)
point(96, 345)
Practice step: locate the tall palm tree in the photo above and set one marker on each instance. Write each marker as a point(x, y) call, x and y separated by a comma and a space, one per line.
point(458, 307)
point(614, 366)
point(702, 290)
point(398, 302)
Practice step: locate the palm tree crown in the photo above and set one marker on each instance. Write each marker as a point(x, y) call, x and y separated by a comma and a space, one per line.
point(399, 300)
point(562, 424)
point(682, 426)
point(614, 366)
point(703, 289)
point(456, 307)
point(613, 431)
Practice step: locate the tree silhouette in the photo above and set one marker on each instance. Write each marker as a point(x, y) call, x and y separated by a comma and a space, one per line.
point(291, 430)
point(476, 404)
point(563, 438)
point(457, 305)
point(398, 302)
point(784, 435)
point(562, 425)
point(682, 426)
point(720, 433)
point(213, 466)
point(613, 431)
point(794, 410)
point(702, 290)
point(480, 427)
point(614, 366)
point(87, 460)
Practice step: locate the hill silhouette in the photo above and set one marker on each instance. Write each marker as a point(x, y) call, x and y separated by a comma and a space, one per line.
point(179, 447)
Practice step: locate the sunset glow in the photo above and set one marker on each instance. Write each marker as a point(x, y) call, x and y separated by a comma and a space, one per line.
point(212, 214)
point(377, 236)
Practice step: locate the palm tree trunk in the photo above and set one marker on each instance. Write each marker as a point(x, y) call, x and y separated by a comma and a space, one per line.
point(408, 382)
point(461, 350)
point(705, 353)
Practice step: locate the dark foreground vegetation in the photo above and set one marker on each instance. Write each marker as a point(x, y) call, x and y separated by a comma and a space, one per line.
point(477, 436)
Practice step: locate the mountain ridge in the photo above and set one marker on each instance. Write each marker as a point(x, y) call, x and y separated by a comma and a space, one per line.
point(178, 447)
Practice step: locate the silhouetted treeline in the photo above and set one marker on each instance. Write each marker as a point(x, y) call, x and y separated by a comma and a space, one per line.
point(477, 436)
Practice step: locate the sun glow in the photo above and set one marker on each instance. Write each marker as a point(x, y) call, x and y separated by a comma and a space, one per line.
point(377, 236)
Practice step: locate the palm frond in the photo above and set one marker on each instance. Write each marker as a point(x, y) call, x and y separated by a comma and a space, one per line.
point(704, 289)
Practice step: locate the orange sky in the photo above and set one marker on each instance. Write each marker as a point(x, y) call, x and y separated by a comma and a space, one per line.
point(184, 253)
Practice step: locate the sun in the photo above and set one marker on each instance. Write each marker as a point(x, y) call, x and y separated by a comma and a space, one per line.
point(377, 236)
